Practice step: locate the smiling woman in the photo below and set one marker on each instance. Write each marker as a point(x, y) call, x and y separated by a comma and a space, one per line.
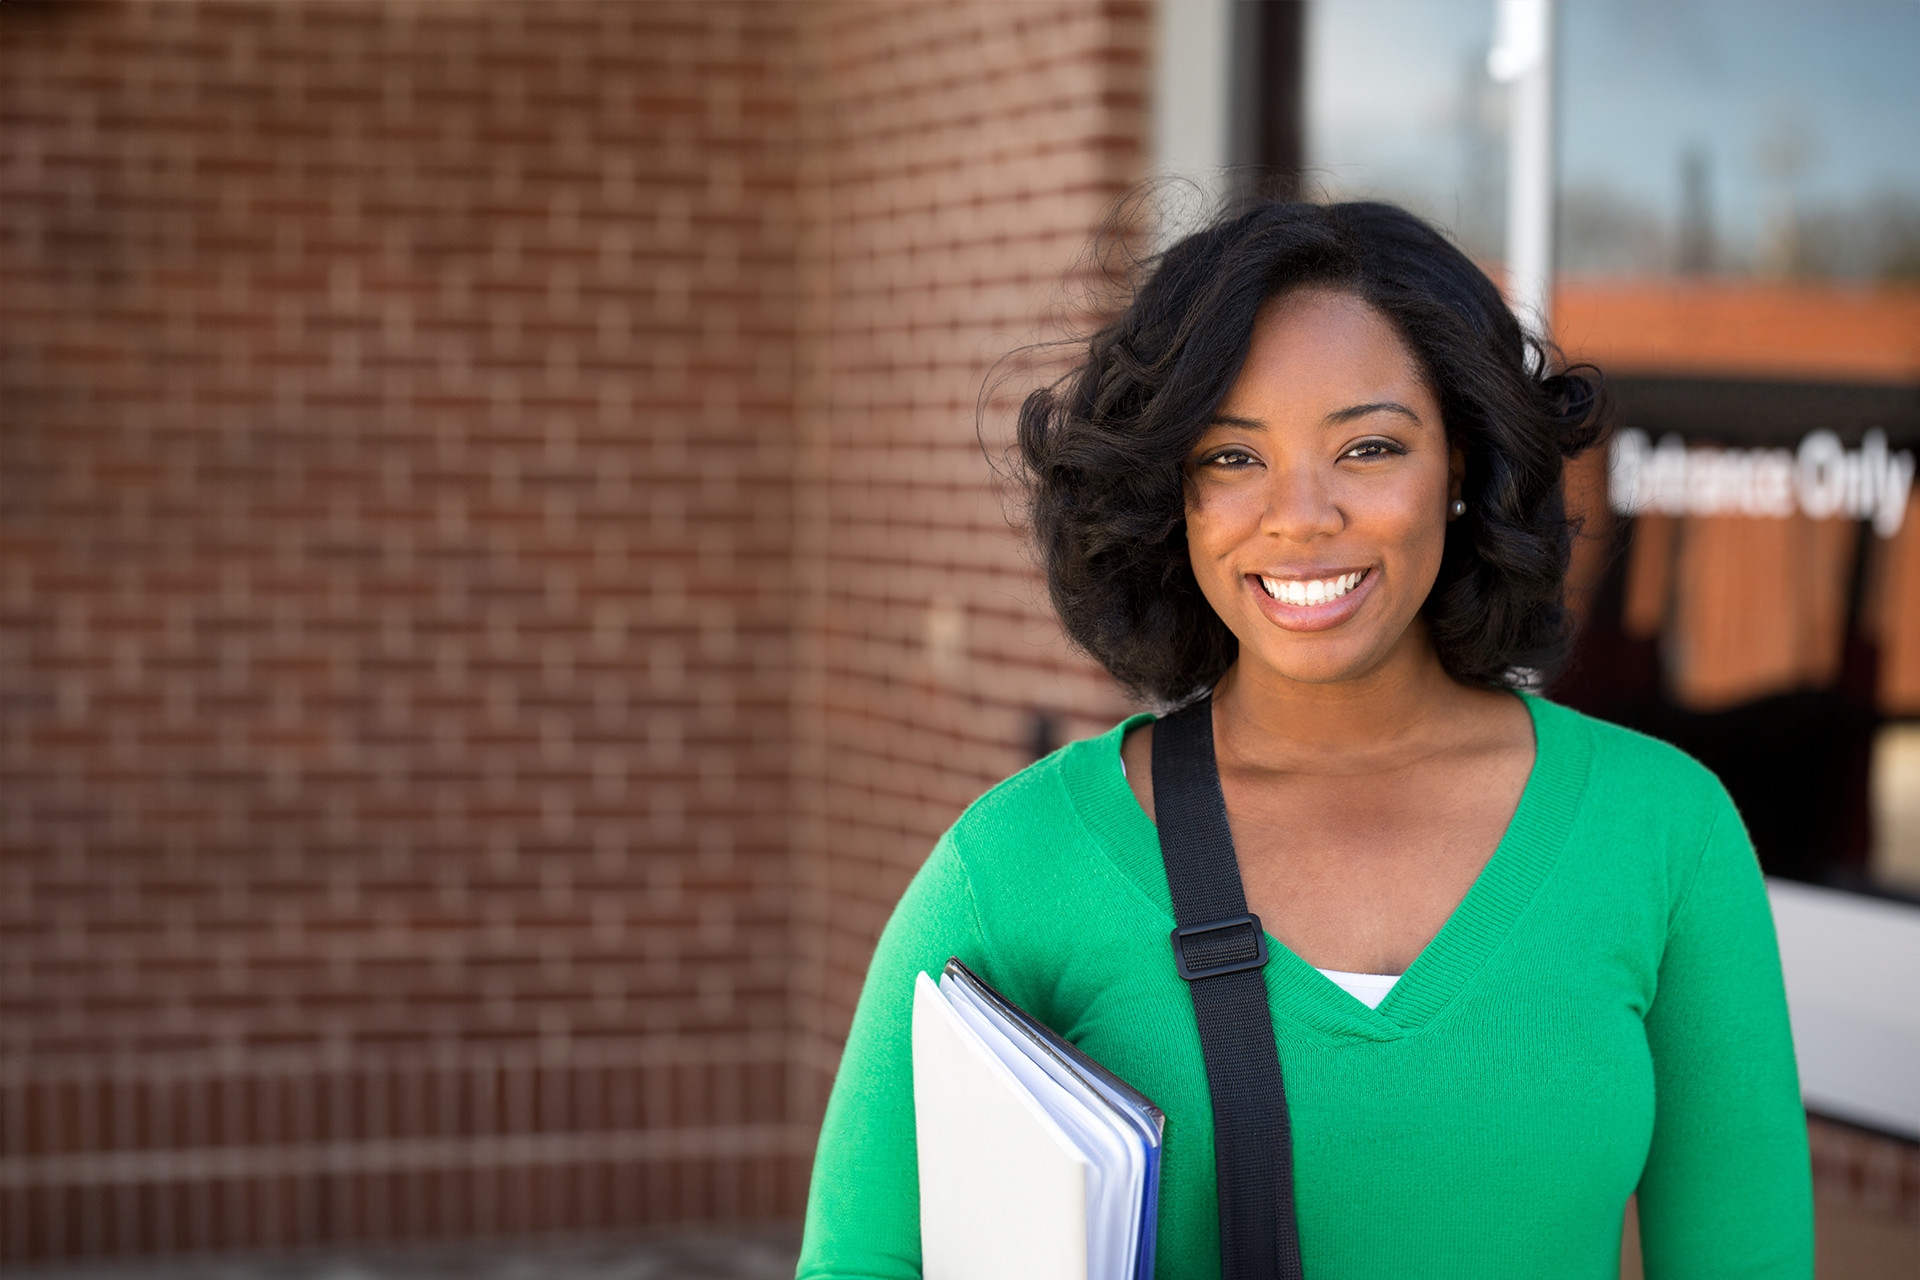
point(1109, 511)
point(1288, 475)
point(1305, 494)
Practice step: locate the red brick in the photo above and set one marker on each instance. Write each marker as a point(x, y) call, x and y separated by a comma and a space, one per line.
point(464, 601)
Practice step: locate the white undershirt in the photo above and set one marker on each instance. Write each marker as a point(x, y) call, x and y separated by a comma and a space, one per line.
point(1368, 988)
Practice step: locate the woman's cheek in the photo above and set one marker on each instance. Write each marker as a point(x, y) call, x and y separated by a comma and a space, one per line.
point(1210, 544)
point(1218, 529)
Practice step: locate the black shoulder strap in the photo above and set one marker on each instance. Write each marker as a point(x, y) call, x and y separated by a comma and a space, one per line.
point(1219, 949)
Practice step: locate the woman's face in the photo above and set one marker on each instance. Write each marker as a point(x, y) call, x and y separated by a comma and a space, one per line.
point(1317, 499)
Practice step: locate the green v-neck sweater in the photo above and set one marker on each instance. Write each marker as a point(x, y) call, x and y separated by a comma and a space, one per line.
point(1601, 1016)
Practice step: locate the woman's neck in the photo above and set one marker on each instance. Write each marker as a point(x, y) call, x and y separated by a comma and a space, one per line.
point(1264, 720)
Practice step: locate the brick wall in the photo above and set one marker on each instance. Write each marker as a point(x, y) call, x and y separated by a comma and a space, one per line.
point(500, 585)
point(397, 408)
point(965, 155)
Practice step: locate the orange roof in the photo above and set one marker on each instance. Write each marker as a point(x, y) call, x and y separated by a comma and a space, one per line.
point(1753, 328)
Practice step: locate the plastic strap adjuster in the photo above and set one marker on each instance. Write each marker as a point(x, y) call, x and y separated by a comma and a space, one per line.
point(1236, 959)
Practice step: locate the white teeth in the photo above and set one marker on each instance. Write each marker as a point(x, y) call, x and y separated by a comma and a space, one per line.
point(1320, 591)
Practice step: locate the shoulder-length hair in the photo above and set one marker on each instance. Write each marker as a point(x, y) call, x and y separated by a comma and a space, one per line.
point(1102, 452)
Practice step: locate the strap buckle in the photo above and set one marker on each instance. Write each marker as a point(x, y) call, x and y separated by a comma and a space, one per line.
point(1198, 956)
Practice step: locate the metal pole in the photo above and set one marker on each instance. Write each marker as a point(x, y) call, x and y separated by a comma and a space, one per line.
point(1522, 57)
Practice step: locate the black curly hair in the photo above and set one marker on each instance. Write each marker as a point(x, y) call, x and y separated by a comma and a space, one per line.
point(1102, 451)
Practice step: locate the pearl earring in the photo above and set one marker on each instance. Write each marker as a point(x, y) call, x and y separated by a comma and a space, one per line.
point(1459, 508)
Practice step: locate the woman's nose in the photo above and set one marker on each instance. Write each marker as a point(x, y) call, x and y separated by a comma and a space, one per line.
point(1300, 505)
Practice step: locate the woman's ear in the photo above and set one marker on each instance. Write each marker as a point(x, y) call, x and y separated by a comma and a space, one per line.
point(1456, 472)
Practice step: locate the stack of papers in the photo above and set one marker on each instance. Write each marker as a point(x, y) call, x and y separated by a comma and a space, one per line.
point(1036, 1163)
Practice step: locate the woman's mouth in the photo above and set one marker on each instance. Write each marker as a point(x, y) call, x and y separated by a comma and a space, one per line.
point(1312, 604)
point(1312, 591)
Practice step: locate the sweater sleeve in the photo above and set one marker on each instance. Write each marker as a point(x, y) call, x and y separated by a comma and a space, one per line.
point(863, 1212)
point(1727, 1189)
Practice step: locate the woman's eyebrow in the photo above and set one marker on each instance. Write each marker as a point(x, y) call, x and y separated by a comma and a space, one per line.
point(1351, 412)
point(1228, 420)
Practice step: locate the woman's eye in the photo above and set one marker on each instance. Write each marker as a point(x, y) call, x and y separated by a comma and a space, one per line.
point(1231, 458)
point(1372, 449)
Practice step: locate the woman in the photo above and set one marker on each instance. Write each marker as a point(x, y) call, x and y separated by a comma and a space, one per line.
point(1522, 966)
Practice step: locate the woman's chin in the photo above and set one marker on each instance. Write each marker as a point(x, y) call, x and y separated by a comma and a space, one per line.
point(1320, 659)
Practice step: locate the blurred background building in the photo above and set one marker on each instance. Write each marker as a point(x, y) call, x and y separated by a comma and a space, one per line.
point(503, 580)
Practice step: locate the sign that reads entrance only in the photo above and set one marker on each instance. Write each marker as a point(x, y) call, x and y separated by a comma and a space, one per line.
point(1822, 478)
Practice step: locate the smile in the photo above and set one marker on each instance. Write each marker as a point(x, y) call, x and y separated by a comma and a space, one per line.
point(1309, 592)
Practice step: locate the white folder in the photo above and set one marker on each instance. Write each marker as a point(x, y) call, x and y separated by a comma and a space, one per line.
point(1035, 1163)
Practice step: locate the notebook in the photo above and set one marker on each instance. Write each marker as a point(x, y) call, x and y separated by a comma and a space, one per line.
point(1036, 1163)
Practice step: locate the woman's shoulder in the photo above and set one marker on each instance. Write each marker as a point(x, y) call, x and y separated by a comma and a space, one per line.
point(1633, 779)
point(1647, 815)
point(1056, 802)
point(1618, 754)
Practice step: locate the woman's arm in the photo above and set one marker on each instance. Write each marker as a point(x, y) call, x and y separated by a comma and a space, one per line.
point(1727, 1189)
point(863, 1213)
